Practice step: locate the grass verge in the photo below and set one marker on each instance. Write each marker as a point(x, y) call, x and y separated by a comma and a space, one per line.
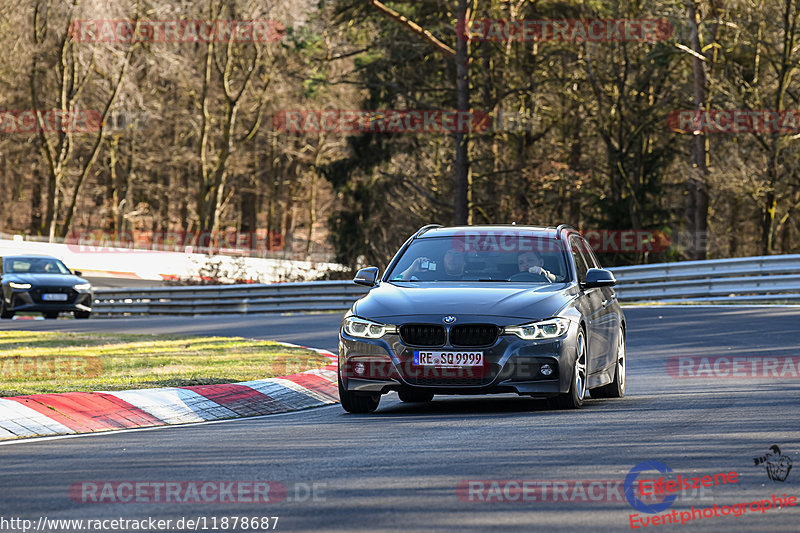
point(33, 362)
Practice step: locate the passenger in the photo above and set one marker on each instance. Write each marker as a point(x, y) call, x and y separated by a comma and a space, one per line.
point(454, 262)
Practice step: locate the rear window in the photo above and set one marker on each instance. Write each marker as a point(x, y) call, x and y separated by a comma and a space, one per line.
point(481, 257)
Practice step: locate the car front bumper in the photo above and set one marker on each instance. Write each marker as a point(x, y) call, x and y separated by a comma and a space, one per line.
point(511, 365)
point(27, 301)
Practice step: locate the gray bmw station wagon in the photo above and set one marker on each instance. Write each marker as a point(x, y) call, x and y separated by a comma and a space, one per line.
point(481, 310)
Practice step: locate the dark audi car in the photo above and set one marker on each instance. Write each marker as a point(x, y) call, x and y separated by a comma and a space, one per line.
point(39, 283)
point(485, 309)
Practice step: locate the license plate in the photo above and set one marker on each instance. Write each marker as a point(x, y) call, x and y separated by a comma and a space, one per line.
point(456, 359)
point(54, 297)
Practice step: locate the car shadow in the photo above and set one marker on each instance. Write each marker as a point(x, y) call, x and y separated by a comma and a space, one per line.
point(467, 405)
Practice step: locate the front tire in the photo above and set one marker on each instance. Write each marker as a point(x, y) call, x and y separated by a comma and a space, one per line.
point(81, 314)
point(4, 312)
point(573, 399)
point(356, 403)
point(616, 389)
point(415, 396)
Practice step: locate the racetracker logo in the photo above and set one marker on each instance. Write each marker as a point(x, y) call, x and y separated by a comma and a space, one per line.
point(635, 241)
point(735, 121)
point(50, 367)
point(52, 120)
point(214, 492)
point(601, 241)
point(733, 367)
point(502, 241)
point(567, 30)
point(385, 121)
point(363, 367)
point(178, 241)
point(573, 490)
point(176, 31)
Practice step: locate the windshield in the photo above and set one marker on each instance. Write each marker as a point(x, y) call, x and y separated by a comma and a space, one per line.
point(483, 257)
point(35, 265)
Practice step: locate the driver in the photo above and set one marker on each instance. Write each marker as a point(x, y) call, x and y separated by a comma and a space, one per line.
point(533, 263)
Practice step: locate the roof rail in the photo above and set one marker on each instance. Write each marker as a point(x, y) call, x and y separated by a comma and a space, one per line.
point(423, 229)
point(563, 227)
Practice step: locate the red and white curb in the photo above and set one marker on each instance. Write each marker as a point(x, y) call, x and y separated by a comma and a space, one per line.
point(38, 415)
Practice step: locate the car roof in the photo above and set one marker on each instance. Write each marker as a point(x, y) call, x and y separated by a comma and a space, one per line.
point(537, 231)
point(29, 256)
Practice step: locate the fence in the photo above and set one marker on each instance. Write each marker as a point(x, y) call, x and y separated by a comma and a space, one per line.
point(769, 279)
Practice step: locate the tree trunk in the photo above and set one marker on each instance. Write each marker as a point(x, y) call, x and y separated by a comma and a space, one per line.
point(697, 205)
point(312, 213)
point(785, 70)
point(36, 203)
point(462, 192)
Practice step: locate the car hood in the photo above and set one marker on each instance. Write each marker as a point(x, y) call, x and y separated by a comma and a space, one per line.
point(45, 280)
point(514, 300)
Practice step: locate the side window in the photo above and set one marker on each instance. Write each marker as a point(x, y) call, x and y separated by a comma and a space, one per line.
point(580, 262)
point(589, 253)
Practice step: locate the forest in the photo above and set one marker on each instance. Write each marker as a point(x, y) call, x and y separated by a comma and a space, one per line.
point(331, 130)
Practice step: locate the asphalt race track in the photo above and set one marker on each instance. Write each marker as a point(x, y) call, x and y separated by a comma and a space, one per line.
point(399, 469)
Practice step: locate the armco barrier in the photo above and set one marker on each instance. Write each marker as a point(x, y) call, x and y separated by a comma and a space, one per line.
point(767, 279)
point(222, 299)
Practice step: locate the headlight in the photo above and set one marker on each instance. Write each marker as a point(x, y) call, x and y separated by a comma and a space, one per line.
point(366, 329)
point(14, 285)
point(546, 329)
point(82, 286)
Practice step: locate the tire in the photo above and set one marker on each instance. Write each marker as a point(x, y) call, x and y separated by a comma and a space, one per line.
point(573, 399)
point(81, 314)
point(50, 315)
point(357, 403)
point(5, 313)
point(616, 389)
point(415, 396)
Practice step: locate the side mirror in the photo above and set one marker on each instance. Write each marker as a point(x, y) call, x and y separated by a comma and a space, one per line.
point(77, 272)
point(366, 276)
point(599, 277)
